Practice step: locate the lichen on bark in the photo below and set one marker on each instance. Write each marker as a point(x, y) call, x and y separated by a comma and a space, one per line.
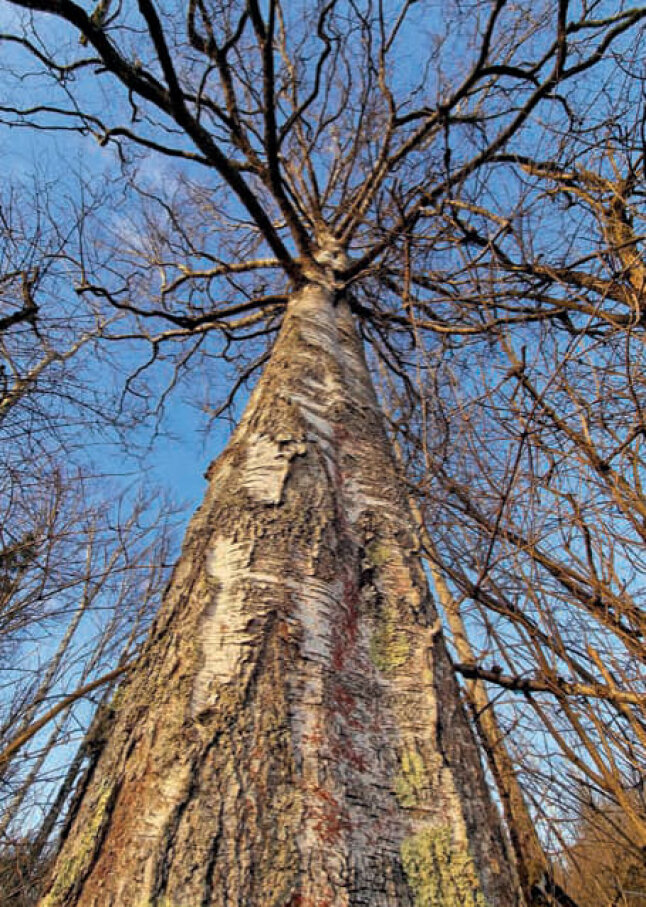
point(389, 645)
point(440, 870)
point(71, 871)
point(412, 779)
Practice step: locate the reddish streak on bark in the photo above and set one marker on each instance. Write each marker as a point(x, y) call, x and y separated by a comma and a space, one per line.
point(345, 635)
point(347, 753)
point(344, 699)
point(299, 901)
point(331, 822)
point(338, 654)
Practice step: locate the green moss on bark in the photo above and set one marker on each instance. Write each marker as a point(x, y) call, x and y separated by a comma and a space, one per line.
point(70, 872)
point(378, 554)
point(389, 646)
point(412, 779)
point(440, 871)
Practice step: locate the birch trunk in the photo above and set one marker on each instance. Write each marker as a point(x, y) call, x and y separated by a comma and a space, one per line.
point(293, 734)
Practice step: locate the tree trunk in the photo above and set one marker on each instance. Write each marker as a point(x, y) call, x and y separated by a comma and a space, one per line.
point(293, 734)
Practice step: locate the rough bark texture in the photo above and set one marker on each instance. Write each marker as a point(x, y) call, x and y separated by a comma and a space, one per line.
point(293, 734)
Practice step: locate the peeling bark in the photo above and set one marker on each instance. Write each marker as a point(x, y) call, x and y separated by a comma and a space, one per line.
point(293, 734)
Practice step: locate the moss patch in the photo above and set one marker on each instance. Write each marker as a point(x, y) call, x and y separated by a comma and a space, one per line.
point(70, 870)
point(412, 780)
point(389, 646)
point(440, 872)
point(378, 554)
point(119, 698)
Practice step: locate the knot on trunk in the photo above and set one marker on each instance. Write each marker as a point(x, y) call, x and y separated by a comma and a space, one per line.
point(331, 261)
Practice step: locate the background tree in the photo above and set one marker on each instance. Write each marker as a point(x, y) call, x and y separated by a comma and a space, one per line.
point(411, 141)
point(82, 558)
point(604, 865)
point(552, 521)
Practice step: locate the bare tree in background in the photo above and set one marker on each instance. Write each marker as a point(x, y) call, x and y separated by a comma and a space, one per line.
point(543, 540)
point(293, 731)
point(82, 560)
point(605, 865)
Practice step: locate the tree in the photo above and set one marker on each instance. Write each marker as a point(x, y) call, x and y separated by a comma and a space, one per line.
point(297, 670)
point(82, 559)
point(604, 864)
point(546, 541)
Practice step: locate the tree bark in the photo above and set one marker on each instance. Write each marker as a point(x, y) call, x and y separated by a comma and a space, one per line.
point(293, 734)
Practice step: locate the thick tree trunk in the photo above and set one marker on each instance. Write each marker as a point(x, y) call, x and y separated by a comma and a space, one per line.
point(293, 734)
